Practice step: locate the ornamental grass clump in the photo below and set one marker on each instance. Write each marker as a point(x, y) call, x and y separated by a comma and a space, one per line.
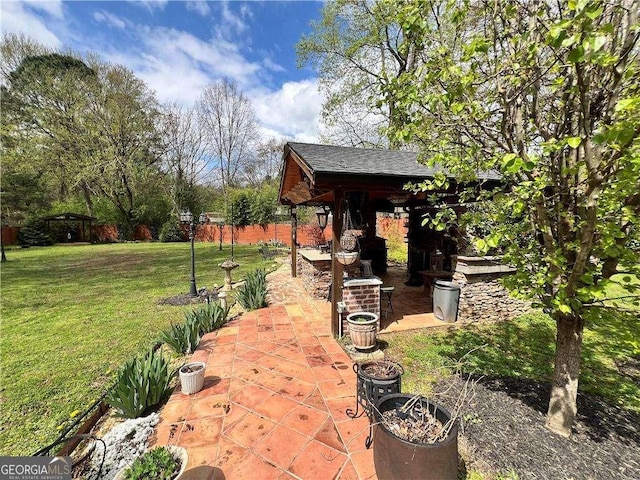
point(208, 317)
point(183, 338)
point(253, 294)
point(141, 386)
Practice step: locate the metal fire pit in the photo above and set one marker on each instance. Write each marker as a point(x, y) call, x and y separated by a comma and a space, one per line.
point(370, 389)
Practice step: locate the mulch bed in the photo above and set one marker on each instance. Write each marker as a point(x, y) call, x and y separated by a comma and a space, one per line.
point(503, 429)
point(186, 299)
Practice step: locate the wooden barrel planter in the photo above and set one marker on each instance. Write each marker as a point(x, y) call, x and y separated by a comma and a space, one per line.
point(399, 459)
point(362, 329)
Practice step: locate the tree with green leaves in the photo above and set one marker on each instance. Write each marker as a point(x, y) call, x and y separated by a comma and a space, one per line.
point(360, 50)
point(128, 145)
point(45, 126)
point(548, 94)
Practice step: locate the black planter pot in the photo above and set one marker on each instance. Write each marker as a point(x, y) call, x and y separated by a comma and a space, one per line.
point(397, 459)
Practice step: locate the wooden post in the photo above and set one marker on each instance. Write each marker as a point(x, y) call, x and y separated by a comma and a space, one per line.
point(336, 267)
point(294, 241)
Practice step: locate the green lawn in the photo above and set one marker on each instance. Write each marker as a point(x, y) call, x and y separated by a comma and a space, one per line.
point(525, 348)
point(71, 315)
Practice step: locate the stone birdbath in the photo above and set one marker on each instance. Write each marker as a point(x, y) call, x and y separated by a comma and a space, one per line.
point(227, 266)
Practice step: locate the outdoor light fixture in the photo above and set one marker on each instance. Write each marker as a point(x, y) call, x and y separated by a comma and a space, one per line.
point(186, 217)
point(218, 220)
point(323, 216)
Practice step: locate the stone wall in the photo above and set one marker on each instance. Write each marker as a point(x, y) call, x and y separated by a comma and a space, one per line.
point(482, 297)
point(316, 276)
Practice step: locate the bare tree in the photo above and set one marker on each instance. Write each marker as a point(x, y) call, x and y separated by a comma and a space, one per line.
point(267, 162)
point(184, 156)
point(231, 130)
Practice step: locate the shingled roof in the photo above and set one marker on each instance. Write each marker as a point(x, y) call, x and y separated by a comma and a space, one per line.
point(363, 161)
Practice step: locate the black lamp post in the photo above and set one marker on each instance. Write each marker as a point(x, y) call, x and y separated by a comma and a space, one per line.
point(187, 219)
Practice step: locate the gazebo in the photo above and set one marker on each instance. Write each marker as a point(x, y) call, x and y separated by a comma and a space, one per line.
point(76, 224)
point(365, 181)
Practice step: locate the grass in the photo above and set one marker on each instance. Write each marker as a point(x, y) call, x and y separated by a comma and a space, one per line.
point(525, 348)
point(71, 315)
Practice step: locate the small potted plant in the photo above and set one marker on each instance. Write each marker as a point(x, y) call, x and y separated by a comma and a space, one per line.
point(161, 463)
point(362, 329)
point(192, 377)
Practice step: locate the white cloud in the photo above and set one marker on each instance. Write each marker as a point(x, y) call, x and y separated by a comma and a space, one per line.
point(271, 65)
point(293, 110)
point(150, 4)
point(232, 24)
point(109, 19)
point(53, 8)
point(199, 6)
point(20, 18)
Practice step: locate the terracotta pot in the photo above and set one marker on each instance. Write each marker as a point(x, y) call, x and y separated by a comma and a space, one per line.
point(192, 382)
point(363, 332)
point(398, 459)
point(177, 452)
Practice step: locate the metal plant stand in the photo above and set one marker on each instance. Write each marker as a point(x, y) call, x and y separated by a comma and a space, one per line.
point(370, 389)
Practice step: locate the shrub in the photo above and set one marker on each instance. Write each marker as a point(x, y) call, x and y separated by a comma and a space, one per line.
point(182, 338)
point(209, 317)
point(142, 384)
point(253, 294)
point(156, 464)
point(34, 233)
point(171, 232)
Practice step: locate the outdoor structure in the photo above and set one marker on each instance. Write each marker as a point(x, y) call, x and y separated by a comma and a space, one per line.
point(363, 182)
point(70, 227)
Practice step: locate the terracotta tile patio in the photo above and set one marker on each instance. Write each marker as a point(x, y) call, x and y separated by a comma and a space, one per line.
point(273, 405)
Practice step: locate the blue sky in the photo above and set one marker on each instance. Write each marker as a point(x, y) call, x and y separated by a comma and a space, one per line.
point(179, 47)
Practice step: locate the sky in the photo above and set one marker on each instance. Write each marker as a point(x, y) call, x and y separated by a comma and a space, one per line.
point(180, 47)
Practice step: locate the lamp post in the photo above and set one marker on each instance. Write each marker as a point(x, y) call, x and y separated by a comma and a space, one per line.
point(218, 220)
point(186, 217)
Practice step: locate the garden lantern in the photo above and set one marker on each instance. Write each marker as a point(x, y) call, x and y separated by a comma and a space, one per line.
point(186, 217)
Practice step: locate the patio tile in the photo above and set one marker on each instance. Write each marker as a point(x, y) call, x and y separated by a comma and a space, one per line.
point(250, 429)
point(209, 406)
point(318, 462)
point(200, 433)
point(202, 456)
point(273, 381)
point(281, 446)
point(177, 410)
point(315, 400)
point(230, 454)
point(363, 463)
point(306, 420)
point(276, 407)
point(251, 396)
point(338, 406)
point(335, 389)
point(297, 389)
point(349, 472)
point(213, 385)
point(165, 434)
point(234, 415)
point(328, 434)
point(253, 467)
point(227, 339)
point(216, 370)
point(354, 433)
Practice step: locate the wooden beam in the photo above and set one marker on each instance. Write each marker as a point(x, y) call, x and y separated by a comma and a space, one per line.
point(294, 240)
point(336, 267)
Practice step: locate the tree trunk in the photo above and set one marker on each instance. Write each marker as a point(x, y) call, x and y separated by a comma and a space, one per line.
point(564, 390)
